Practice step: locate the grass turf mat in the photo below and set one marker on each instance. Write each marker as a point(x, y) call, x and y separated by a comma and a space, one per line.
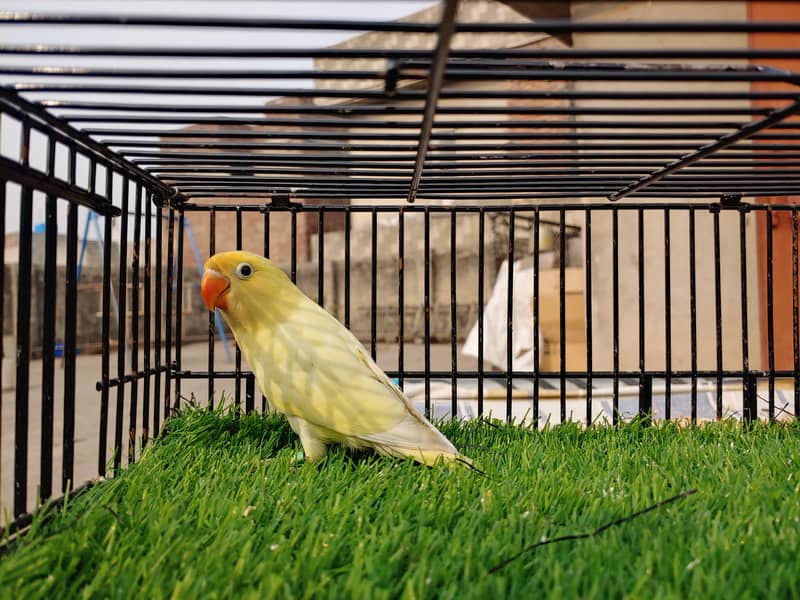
point(219, 508)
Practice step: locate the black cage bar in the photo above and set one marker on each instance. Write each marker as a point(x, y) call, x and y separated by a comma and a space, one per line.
point(525, 218)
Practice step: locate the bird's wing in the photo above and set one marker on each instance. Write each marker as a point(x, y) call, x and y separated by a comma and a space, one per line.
point(377, 373)
point(325, 376)
point(310, 366)
point(413, 432)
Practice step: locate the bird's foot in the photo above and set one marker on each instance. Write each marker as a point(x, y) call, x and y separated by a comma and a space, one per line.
point(298, 458)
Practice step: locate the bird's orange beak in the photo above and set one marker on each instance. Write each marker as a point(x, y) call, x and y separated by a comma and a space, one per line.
point(214, 287)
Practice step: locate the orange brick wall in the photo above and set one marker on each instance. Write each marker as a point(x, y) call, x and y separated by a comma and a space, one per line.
point(781, 225)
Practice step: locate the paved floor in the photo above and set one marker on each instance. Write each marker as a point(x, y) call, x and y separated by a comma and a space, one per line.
point(87, 411)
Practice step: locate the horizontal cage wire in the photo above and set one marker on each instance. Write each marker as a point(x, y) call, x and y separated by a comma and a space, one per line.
point(540, 212)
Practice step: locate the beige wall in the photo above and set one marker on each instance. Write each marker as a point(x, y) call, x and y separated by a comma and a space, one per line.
point(654, 224)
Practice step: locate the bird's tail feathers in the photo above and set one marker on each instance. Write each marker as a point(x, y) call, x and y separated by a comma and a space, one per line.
point(414, 437)
point(429, 457)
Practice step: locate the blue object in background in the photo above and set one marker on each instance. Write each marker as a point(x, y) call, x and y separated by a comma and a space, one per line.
point(58, 350)
point(39, 228)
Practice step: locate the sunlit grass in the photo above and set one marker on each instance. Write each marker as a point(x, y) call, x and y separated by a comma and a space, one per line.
point(219, 508)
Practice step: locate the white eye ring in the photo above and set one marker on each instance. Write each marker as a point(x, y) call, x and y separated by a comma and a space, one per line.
point(244, 270)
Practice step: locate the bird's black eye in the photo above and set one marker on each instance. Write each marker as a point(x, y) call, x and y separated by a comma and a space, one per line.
point(244, 270)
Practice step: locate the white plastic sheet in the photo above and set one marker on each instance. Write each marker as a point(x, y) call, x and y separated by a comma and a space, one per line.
point(495, 330)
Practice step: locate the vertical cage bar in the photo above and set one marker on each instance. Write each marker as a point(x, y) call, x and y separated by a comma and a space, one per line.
point(587, 268)
point(92, 171)
point(373, 306)
point(266, 255)
point(645, 403)
point(238, 356)
point(401, 293)
point(321, 256)
point(92, 185)
point(615, 309)
point(693, 311)
point(453, 321)
point(562, 314)
point(645, 397)
point(148, 316)
point(179, 310)
point(427, 309)
point(49, 333)
point(750, 399)
point(640, 256)
point(135, 261)
point(481, 275)
point(770, 317)
point(745, 349)
point(21, 405)
point(347, 268)
point(667, 318)
point(795, 316)
point(293, 233)
point(105, 350)
point(718, 311)
point(510, 315)
point(168, 309)
point(266, 231)
point(535, 293)
point(212, 322)
point(249, 393)
point(122, 339)
point(158, 320)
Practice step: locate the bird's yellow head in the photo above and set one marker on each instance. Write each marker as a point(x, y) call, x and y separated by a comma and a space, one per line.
point(231, 280)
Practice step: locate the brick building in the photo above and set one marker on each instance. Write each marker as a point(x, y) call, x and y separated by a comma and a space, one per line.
point(267, 137)
point(525, 128)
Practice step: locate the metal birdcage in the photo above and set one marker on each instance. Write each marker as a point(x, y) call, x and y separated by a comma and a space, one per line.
point(544, 218)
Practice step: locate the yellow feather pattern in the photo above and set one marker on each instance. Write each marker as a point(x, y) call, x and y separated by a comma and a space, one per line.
point(313, 370)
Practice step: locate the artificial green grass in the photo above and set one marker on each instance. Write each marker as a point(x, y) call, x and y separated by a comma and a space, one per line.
point(219, 508)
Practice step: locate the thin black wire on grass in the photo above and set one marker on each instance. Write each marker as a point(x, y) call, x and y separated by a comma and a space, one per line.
point(599, 530)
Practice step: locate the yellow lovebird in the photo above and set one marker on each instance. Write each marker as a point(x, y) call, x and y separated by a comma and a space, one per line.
point(312, 369)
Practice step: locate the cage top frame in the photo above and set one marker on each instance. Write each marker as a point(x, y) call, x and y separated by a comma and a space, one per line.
point(432, 123)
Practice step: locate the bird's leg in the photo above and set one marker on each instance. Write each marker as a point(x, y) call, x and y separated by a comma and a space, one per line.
point(313, 447)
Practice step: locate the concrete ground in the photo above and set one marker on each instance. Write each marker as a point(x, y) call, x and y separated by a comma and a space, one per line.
point(87, 411)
